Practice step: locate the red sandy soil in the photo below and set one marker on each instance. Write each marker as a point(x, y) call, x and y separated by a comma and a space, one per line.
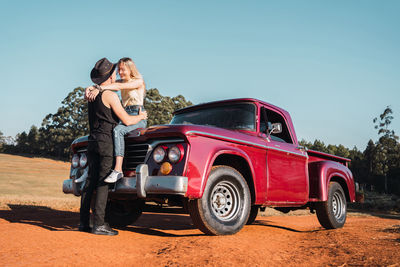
point(42, 236)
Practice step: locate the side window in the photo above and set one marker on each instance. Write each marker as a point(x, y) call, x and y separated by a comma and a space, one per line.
point(273, 117)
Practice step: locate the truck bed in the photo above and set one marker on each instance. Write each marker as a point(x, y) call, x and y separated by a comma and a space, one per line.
point(320, 156)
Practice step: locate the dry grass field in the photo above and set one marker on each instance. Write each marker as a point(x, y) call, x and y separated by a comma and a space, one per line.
point(34, 181)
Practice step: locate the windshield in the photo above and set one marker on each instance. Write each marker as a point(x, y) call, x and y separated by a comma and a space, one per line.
point(229, 116)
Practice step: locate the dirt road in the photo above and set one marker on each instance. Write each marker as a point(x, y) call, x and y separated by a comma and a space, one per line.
point(39, 235)
point(38, 228)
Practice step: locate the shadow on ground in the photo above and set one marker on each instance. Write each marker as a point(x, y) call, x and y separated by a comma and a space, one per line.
point(59, 220)
point(268, 224)
point(157, 223)
point(150, 223)
point(42, 216)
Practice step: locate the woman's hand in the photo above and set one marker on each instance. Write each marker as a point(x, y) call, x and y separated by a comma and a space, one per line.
point(143, 114)
point(90, 93)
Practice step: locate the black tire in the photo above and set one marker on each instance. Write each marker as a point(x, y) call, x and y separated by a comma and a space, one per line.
point(332, 213)
point(225, 206)
point(123, 213)
point(253, 214)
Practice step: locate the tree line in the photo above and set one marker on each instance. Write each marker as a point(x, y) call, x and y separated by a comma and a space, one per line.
point(377, 168)
point(58, 130)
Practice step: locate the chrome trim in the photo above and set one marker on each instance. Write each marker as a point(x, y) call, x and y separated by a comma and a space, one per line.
point(168, 185)
point(67, 186)
point(142, 173)
point(176, 185)
point(155, 143)
point(244, 142)
point(152, 144)
point(285, 151)
point(126, 185)
point(83, 176)
point(70, 187)
point(81, 150)
point(144, 185)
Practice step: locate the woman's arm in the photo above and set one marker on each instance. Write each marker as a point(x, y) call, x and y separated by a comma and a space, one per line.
point(91, 92)
point(133, 84)
point(111, 100)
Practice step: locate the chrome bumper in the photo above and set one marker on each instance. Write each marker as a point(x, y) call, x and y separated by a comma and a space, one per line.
point(141, 185)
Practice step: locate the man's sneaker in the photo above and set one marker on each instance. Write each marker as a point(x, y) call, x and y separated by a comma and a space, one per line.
point(104, 229)
point(113, 177)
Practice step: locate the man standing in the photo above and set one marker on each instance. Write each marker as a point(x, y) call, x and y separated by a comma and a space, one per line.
point(104, 114)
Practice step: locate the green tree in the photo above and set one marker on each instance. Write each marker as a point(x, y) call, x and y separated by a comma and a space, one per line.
point(2, 141)
point(387, 150)
point(22, 142)
point(160, 108)
point(318, 145)
point(342, 151)
point(305, 143)
point(69, 122)
point(32, 140)
point(358, 165)
point(58, 130)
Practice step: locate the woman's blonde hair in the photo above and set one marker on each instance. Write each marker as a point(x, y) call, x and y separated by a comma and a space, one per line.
point(128, 62)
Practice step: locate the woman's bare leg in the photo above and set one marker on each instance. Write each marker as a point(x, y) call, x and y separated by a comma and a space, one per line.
point(118, 163)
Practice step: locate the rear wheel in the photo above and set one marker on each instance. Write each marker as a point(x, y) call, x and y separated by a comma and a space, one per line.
point(332, 213)
point(225, 206)
point(123, 213)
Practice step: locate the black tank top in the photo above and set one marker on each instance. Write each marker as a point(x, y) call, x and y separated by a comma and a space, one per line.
point(102, 121)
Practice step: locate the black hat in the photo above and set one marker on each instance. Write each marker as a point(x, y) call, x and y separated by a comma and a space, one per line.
point(102, 70)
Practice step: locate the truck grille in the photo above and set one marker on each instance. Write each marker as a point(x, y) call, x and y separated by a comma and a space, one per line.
point(135, 154)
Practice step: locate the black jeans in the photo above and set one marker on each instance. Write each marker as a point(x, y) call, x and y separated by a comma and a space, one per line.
point(100, 157)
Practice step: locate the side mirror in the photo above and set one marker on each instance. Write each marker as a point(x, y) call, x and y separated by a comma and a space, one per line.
point(274, 128)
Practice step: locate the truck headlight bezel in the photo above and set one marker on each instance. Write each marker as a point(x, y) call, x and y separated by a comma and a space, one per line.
point(83, 160)
point(75, 161)
point(159, 154)
point(175, 153)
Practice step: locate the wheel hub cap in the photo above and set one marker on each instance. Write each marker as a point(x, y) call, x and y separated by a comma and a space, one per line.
point(225, 201)
point(338, 206)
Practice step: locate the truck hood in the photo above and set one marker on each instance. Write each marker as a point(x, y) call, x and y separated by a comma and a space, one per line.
point(182, 130)
point(178, 130)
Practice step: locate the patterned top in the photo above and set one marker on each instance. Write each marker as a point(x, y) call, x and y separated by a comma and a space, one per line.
point(132, 97)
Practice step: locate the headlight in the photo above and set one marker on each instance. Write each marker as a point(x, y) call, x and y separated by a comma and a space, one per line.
point(159, 154)
point(175, 153)
point(75, 161)
point(83, 160)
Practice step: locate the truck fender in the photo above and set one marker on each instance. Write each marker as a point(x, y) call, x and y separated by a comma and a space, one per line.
point(229, 151)
point(321, 173)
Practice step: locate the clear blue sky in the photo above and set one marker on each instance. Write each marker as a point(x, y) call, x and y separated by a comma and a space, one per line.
point(334, 65)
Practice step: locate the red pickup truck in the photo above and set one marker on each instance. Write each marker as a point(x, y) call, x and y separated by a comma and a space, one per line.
point(223, 161)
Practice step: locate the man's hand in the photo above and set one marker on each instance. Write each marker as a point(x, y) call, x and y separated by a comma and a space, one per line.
point(90, 93)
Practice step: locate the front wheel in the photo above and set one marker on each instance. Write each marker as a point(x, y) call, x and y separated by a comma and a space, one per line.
point(332, 213)
point(225, 206)
point(253, 214)
point(123, 213)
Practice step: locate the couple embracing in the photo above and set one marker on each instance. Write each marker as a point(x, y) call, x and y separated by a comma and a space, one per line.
point(109, 121)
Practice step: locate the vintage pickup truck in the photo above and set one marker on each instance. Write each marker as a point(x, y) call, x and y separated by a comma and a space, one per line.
point(223, 161)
